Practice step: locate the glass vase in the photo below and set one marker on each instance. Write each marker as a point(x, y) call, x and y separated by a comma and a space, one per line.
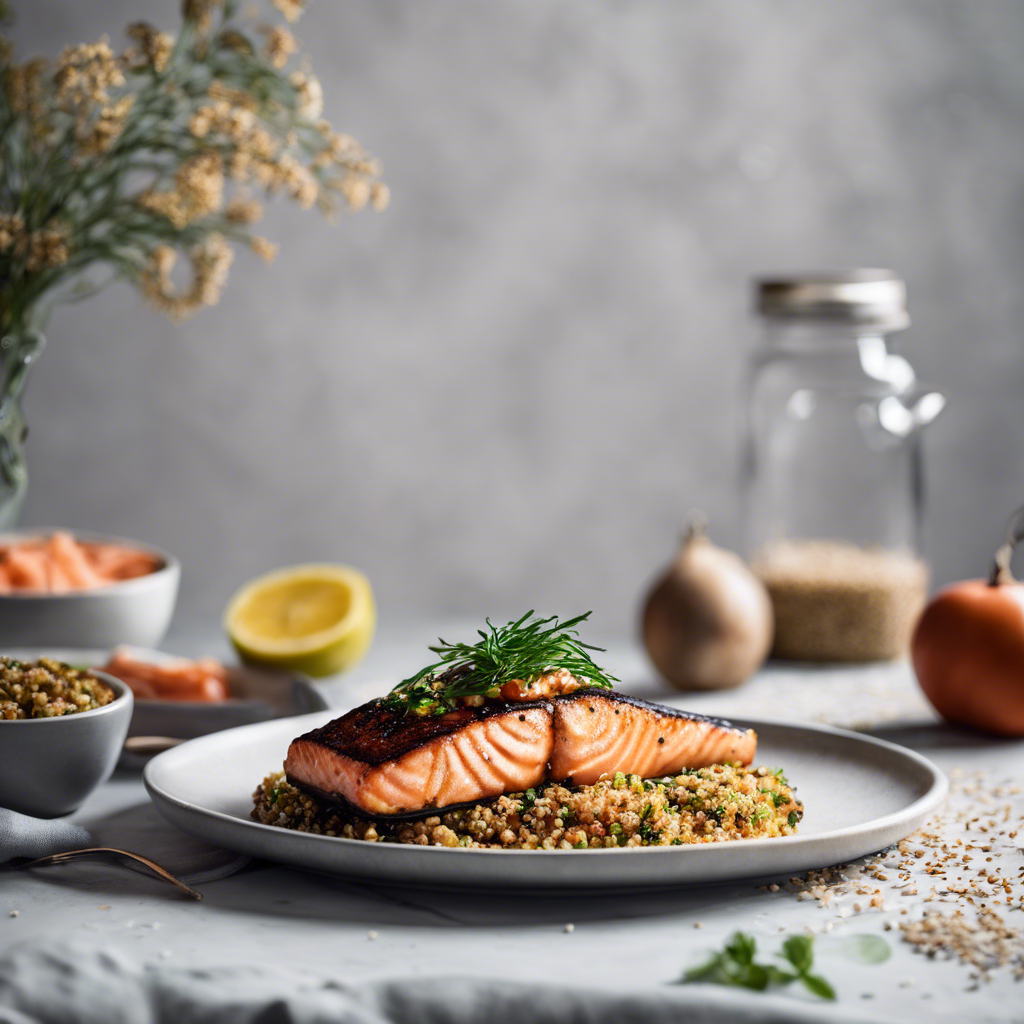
point(18, 351)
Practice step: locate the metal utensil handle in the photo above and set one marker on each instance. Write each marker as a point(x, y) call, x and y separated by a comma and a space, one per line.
point(150, 744)
point(99, 851)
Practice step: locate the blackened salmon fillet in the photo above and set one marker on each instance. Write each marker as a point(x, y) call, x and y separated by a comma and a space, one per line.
point(382, 761)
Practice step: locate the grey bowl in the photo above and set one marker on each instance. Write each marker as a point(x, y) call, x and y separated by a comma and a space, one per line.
point(48, 766)
point(136, 611)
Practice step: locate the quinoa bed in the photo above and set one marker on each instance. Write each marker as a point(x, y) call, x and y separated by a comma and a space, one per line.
point(704, 805)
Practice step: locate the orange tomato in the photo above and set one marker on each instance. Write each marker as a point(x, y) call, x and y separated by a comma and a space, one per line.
point(968, 651)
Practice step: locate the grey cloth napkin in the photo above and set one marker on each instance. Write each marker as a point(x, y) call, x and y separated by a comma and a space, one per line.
point(138, 829)
point(78, 984)
point(24, 836)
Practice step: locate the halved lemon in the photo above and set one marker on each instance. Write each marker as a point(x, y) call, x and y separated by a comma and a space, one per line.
point(317, 619)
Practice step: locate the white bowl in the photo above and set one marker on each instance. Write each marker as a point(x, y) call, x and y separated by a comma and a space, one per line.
point(136, 611)
point(48, 766)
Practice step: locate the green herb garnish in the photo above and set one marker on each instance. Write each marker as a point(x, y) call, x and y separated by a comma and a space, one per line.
point(647, 832)
point(866, 949)
point(735, 965)
point(523, 650)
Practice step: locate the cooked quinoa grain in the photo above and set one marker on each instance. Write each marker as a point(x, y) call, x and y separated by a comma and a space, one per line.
point(703, 805)
point(48, 688)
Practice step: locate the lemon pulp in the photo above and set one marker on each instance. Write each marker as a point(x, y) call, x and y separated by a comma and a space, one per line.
point(318, 619)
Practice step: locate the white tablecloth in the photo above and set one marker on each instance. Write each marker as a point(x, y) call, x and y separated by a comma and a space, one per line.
point(326, 949)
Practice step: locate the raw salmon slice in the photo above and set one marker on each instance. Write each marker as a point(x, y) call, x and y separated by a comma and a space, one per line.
point(59, 564)
point(205, 680)
point(384, 762)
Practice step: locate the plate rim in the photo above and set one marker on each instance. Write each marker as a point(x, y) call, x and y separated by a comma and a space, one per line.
point(932, 798)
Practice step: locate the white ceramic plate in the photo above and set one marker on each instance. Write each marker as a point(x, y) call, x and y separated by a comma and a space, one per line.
point(860, 795)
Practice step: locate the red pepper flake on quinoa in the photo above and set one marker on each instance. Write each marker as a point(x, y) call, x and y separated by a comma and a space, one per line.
point(47, 689)
point(702, 805)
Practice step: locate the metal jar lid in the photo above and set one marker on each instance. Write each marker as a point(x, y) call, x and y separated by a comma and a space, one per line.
point(867, 298)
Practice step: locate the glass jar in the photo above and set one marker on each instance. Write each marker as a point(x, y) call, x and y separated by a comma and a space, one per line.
point(833, 479)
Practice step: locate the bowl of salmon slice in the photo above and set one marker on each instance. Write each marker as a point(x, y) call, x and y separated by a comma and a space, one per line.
point(77, 589)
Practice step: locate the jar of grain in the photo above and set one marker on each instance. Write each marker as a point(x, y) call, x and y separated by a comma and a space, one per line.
point(833, 476)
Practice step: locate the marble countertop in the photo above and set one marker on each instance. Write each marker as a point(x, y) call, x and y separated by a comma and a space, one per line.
point(265, 914)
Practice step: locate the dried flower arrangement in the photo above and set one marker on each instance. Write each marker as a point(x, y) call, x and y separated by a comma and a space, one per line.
point(126, 161)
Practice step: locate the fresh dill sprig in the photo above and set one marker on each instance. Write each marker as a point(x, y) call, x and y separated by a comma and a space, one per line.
point(524, 649)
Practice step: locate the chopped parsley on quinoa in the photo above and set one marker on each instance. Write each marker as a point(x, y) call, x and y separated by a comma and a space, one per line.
point(47, 689)
point(700, 805)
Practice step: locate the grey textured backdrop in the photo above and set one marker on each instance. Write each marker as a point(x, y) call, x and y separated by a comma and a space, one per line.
point(508, 389)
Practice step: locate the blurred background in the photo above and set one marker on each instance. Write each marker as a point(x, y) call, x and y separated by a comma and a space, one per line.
point(508, 390)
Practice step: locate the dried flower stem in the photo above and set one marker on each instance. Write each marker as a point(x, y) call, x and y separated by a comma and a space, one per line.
point(128, 160)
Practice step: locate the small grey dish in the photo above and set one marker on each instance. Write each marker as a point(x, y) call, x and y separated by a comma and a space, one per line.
point(135, 611)
point(48, 766)
point(257, 695)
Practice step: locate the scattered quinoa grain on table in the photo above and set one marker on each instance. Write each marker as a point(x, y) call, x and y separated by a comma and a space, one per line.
point(704, 805)
point(47, 689)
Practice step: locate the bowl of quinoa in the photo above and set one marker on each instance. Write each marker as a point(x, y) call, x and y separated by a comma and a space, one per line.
point(701, 805)
point(61, 732)
point(47, 689)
